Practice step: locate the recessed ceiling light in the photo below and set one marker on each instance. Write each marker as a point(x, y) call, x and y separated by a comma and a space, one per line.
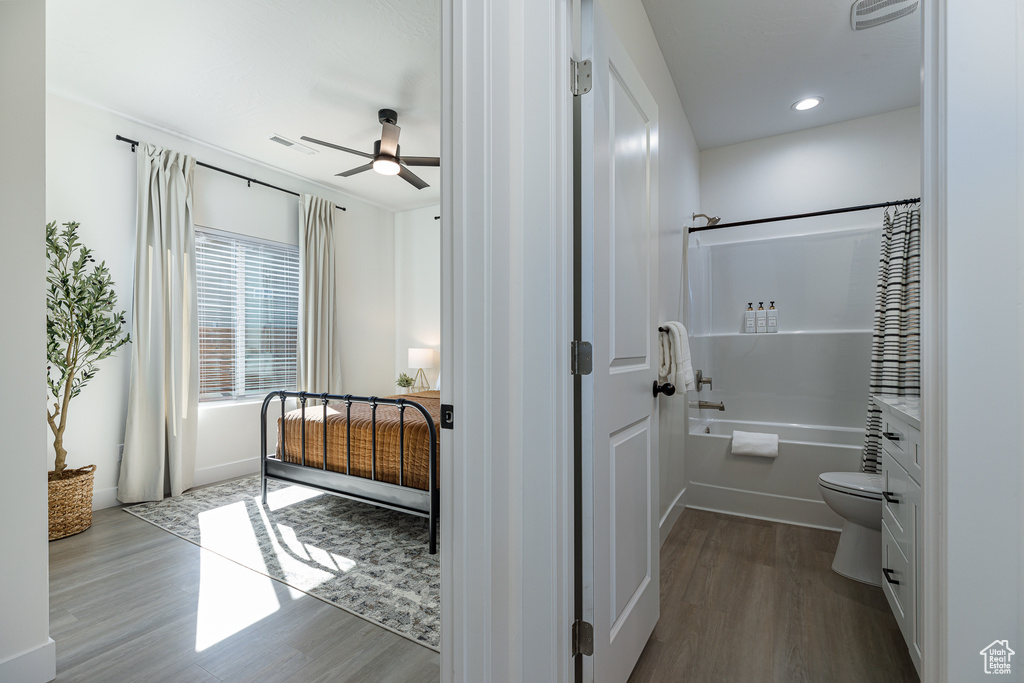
point(807, 103)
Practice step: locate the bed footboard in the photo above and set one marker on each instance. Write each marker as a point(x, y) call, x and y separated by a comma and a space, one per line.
point(384, 494)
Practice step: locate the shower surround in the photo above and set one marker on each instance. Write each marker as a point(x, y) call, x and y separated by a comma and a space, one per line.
point(808, 382)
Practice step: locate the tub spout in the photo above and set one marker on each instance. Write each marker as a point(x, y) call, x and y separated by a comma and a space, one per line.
point(708, 405)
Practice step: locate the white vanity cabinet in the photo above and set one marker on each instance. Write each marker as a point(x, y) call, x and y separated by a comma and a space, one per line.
point(902, 466)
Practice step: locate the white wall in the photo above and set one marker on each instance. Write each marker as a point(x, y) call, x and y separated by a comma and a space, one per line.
point(678, 178)
point(418, 287)
point(26, 651)
point(864, 161)
point(365, 241)
point(91, 179)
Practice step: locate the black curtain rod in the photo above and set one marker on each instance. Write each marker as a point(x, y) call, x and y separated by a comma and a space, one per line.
point(135, 143)
point(848, 209)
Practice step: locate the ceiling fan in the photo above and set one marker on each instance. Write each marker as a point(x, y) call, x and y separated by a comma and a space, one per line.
point(386, 158)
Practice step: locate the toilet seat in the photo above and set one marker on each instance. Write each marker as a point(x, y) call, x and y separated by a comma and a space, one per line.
point(860, 484)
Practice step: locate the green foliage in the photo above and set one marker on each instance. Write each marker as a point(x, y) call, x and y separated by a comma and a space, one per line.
point(404, 380)
point(82, 327)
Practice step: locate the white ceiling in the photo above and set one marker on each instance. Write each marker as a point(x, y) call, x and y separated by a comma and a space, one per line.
point(232, 73)
point(739, 65)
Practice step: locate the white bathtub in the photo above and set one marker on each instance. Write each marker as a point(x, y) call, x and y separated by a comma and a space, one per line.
point(783, 489)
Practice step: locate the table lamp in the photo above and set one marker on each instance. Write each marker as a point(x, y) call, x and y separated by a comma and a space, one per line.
point(420, 359)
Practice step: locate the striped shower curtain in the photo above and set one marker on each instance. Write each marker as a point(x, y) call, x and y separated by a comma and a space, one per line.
point(896, 341)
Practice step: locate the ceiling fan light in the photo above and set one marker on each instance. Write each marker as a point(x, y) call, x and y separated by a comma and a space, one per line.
point(386, 166)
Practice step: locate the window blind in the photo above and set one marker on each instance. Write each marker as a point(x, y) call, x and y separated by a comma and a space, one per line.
point(248, 292)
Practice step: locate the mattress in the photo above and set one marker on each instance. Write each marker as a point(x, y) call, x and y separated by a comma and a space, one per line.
point(416, 446)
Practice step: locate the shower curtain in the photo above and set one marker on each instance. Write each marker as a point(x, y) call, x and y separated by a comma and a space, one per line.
point(896, 339)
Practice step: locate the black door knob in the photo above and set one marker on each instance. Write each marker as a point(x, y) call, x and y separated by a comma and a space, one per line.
point(667, 388)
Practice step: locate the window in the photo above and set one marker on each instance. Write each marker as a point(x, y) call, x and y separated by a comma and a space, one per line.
point(248, 293)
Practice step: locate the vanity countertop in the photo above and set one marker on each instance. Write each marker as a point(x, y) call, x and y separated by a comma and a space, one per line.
point(906, 407)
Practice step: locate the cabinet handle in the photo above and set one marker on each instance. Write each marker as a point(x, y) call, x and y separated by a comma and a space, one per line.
point(886, 571)
point(892, 436)
point(890, 497)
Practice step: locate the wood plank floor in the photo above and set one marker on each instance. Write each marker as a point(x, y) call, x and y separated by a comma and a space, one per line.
point(743, 601)
point(748, 601)
point(131, 602)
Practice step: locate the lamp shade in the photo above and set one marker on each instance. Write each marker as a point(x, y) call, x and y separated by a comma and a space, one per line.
point(421, 358)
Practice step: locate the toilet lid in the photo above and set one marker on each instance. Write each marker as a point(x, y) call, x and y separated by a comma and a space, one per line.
point(854, 482)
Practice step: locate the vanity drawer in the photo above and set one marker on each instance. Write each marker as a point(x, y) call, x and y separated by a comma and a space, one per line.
point(895, 439)
point(896, 581)
point(896, 508)
point(915, 456)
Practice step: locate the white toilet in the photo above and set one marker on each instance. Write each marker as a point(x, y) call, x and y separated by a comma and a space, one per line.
point(857, 498)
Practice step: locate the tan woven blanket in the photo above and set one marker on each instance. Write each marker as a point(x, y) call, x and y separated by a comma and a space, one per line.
point(417, 438)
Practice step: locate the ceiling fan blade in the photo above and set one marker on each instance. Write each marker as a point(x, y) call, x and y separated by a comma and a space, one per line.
point(353, 171)
point(412, 178)
point(338, 147)
point(389, 139)
point(421, 161)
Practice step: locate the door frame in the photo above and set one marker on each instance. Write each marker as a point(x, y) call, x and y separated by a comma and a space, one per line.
point(972, 332)
point(506, 289)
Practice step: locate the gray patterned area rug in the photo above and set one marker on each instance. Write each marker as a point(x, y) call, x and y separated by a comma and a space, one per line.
point(366, 560)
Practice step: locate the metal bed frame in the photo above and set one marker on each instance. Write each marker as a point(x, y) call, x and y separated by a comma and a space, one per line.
point(380, 493)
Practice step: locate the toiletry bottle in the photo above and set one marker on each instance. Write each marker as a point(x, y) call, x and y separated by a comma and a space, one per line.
point(773, 318)
point(762, 317)
point(749, 326)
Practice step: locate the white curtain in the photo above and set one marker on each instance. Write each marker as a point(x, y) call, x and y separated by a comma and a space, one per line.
point(163, 398)
point(319, 353)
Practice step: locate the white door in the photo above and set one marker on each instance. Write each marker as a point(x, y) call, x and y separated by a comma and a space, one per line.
point(618, 137)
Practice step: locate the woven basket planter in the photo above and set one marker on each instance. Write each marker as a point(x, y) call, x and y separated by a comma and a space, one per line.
point(70, 502)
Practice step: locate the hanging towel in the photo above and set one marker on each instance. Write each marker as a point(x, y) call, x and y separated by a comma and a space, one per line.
point(674, 355)
point(755, 443)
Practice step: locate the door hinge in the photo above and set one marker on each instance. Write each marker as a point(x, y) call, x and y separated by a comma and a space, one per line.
point(447, 416)
point(582, 638)
point(581, 358)
point(582, 77)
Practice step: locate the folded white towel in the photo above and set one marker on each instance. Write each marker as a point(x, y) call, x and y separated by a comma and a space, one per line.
point(755, 443)
point(674, 356)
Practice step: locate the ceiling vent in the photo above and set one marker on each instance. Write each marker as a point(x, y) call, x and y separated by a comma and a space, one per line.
point(297, 146)
point(870, 13)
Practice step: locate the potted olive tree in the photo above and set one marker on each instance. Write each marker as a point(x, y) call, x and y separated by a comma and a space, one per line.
point(82, 328)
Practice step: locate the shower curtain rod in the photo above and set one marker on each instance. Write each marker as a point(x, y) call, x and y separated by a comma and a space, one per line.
point(829, 212)
point(135, 143)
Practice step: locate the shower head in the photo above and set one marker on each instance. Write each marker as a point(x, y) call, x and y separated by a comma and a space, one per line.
point(712, 220)
point(871, 13)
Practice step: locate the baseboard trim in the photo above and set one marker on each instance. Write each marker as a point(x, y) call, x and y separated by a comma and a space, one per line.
point(105, 498)
point(672, 515)
point(230, 470)
point(767, 506)
point(38, 665)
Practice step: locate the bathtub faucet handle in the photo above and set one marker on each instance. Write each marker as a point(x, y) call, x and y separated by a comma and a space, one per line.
point(700, 380)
